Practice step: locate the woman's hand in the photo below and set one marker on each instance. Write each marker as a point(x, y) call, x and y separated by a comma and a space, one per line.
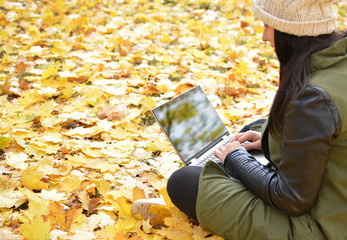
point(249, 140)
point(222, 152)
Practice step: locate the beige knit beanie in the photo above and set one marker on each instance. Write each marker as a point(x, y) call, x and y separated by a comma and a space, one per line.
point(297, 17)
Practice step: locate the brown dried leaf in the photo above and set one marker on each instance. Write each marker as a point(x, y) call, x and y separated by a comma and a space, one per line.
point(93, 204)
point(23, 84)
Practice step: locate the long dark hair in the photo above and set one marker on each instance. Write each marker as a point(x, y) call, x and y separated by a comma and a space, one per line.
point(293, 53)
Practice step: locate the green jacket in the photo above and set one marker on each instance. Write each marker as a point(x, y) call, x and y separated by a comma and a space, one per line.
point(264, 207)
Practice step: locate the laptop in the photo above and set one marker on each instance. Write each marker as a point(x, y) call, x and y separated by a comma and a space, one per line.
point(194, 128)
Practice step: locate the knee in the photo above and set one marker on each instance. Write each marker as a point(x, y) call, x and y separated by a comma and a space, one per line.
point(182, 188)
point(183, 180)
point(173, 182)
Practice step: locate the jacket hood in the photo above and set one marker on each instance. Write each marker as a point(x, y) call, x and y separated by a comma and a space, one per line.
point(327, 57)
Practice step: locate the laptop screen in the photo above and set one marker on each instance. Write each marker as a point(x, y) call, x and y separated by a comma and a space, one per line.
point(190, 122)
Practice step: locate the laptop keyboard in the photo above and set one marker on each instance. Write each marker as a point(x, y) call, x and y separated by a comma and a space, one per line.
point(205, 159)
point(210, 156)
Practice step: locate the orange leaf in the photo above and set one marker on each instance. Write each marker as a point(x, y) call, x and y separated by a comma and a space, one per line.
point(122, 51)
point(138, 193)
point(23, 84)
point(20, 68)
point(80, 79)
point(183, 88)
point(101, 67)
point(244, 24)
point(125, 43)
point(119, 235)
point(62, 217)
point(6, 88)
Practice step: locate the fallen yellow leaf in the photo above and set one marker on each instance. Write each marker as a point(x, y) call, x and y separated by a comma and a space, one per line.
point(49, 72)
point(32, 178)
point(36, 229)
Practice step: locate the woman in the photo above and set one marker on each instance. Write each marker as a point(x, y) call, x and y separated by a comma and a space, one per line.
point(303, 195)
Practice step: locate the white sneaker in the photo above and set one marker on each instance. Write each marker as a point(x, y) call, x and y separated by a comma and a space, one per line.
point(142, 206)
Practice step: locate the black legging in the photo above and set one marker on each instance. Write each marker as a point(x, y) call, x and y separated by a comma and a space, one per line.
point(183, 184)
point(182, 188)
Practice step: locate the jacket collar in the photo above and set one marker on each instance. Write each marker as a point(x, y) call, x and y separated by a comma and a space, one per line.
point(329, 56)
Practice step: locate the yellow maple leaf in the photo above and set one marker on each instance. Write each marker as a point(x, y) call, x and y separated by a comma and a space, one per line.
point(165, 38)
point(69, 183)
point(125, 205)
point(178, 223)
point(158, 145)
point(199, 54)
point(38, 208)
point(46, 108)
point(37, 205)
point(128, 223)
point(76, 160)
point(163, 88)
point(118, 133)
point(110, 233)
point(242, 68)
point(5, 141)
point(106, 167)
point(36, 229)
point(67, 91)
point(49, 72)
point(148, 103)
point(198, 232)
point(31, 178)
point(172, 233)
point(93, 97)
point(166, 197)
point(146, 225)
point(29, 97)
point(161, 212)
point(158, 2)
point(61, 46)
point(92, 152)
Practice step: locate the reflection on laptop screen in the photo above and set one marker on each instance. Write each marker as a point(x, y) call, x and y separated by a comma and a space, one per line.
point(190, 122)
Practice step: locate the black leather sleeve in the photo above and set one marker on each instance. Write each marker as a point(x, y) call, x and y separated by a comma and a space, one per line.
point(310, 124)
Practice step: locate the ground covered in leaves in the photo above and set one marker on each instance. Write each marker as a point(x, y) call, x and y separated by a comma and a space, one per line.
point(78, 78)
